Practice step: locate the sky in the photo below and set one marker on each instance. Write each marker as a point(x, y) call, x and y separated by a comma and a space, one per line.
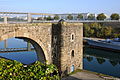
point(61, 6)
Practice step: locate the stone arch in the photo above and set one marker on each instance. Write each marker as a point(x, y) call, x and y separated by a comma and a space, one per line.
point(34, 40)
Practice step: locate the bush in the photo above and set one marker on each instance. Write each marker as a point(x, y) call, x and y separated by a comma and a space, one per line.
point(98, 31)
point(13, 70)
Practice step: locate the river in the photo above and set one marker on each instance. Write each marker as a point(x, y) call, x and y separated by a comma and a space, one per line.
point(101, 61)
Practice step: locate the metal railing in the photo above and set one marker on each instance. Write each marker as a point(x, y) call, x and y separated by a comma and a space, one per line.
point(55, 21)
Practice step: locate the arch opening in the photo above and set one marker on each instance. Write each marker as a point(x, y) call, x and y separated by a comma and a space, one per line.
point(37, 48)
point(21, 50)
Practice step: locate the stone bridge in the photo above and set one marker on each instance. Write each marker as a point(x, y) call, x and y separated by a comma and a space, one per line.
point(58, 43)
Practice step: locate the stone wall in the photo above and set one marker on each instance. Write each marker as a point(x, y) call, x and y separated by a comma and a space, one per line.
point(68, 45)
point(72, 44)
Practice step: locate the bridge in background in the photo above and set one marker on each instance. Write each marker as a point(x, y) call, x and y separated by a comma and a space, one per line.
point(29, 18)
point(9, 50)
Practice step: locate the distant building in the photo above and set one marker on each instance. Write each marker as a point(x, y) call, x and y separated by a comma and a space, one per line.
point(107, 17)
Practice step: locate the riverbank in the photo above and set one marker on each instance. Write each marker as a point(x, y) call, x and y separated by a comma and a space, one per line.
point(85, 40)
point(98, 43)
point(88, 75)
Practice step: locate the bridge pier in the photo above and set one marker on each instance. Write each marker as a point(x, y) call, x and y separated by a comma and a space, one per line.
point(28, 46)
point(5, 19)
point(29, 17)
point(5, 44)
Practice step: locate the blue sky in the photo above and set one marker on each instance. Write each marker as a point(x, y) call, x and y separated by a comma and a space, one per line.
point(61, 6)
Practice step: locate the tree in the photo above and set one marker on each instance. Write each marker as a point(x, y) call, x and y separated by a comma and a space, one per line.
point(49, 18)
point(86, 29)
point(45, 18)
point(70, 17)
point(39, 18)
point(56, 17)
point(80, 16)
point(101, 16)
point(91, 17)
point(107, 31)
point(115, 16)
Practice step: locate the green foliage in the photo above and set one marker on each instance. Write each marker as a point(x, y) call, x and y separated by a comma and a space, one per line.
point(70, 17)
point(101, 16)
point(49, 18)
point(45, 18)
point(91, 17)
point(96, 30)
point(40, 18)
point(13, 70)
point(115, 16)
point(116, 35)
point(56, 17)
point(80, 16)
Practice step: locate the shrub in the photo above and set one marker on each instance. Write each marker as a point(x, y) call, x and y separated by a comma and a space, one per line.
point(13, 70)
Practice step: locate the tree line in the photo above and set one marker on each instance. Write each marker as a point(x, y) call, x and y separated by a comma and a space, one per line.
point(101, 16)
point(99, 31)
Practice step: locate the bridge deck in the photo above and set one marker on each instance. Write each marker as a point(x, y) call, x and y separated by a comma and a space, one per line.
point(5, 50)
point(69, 21)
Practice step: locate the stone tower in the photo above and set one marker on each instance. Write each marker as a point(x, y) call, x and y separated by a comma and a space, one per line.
point(67, 46)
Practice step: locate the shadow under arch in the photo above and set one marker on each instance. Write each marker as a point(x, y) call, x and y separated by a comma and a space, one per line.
point(39, 51)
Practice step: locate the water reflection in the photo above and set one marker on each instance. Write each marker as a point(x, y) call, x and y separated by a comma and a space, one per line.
point(26, 57)
point(114, 63)
point(101, 56)
point(102, 61)
point(89, 58)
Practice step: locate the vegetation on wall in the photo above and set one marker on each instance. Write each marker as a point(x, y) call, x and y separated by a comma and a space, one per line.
point(99, 31)
point(13, 70)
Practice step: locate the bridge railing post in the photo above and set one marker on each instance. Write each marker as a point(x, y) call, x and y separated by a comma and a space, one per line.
point(29, 17)
point(5, 19)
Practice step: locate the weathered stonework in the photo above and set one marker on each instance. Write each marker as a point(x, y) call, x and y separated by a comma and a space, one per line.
point(58, 43)
point(37, 32)
point(68, 37)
